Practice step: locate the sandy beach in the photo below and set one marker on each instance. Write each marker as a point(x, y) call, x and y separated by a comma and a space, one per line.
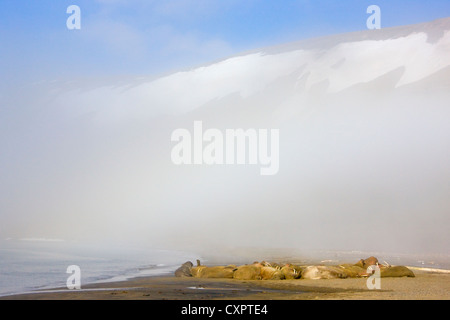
point(425, 286)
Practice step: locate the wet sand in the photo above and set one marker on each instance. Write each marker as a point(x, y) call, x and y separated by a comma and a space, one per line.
point(425, 286)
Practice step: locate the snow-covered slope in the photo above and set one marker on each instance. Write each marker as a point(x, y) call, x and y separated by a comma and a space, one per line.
point(364, 149)
point(338, 62)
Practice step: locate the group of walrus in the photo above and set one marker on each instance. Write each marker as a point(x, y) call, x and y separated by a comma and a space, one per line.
point(275, 271)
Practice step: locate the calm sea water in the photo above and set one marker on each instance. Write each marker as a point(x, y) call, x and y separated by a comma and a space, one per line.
point(36, 264)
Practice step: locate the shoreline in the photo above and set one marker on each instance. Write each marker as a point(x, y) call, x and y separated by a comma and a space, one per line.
point(427, 285)
point(97, 283)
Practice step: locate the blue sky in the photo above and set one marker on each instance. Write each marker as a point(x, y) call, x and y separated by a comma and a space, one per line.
point(141, 37)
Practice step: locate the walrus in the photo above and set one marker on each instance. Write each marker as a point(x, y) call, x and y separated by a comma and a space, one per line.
point(365, 263)
point(323, 272)
point(225, 272)
point(353, 271)
point(290, 271)
point(271, 273)
point(396, 271)
point(184, 270)
point(248, 272)
point(195, 271)
point(385, 270)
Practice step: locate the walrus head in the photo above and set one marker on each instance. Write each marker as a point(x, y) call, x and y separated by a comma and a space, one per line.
point(360, 263)
point(365, 263)
point(371, 261)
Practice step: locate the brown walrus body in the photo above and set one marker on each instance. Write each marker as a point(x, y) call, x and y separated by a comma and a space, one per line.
point(290, 272)
point(353, 271)
point(248, 272)
point(323, 272)
point(271, 273)
point(216, 272)
point(396, 271)
point(385, 271)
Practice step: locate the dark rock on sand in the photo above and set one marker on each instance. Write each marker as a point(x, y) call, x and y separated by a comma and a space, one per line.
point(184, 270)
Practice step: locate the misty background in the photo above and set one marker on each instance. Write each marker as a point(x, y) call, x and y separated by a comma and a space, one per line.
point(363, 120)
